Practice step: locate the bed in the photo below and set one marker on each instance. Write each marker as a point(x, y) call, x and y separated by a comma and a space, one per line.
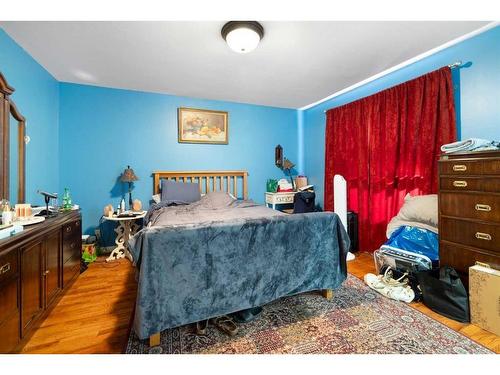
point(221, 255)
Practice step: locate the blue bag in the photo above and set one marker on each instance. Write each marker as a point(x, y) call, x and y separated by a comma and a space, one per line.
point(416, 240)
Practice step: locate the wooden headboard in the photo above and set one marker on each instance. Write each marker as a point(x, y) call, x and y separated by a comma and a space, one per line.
point(228, 181)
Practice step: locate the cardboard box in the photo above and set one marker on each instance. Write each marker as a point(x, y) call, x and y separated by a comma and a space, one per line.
point(484, 297)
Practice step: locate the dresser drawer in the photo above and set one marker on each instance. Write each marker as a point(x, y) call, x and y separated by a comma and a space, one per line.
point(71, 248)
point(462, 167)
point(9, 304)
point(70, 269)
point(480, 235)
point(461, 258)
point(485, 207)
point(280, 198)
point(462, 183)
point(72, 229)
point(8, 265)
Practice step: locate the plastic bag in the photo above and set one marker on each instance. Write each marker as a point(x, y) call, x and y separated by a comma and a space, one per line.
point(416, 240)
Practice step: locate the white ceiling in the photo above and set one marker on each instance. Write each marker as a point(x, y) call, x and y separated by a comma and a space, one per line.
point(297, 63)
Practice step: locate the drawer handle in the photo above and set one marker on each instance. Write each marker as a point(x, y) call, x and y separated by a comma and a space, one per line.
point(483, 207)
point(47, 272)
point(483, 236)
point(77, 223)
point(459, 167)
point(460, 183)
point(68, 229)
point(5, 268)
point(72, 245)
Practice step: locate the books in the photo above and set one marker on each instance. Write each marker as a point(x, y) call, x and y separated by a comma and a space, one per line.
point(307, 187)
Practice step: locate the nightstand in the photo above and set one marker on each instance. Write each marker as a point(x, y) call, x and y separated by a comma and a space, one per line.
point(127, 227)
point(279, 198)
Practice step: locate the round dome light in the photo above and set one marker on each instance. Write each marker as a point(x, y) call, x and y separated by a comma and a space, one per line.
point(242, 36)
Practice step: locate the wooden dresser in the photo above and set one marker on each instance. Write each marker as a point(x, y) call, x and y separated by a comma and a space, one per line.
point(469, 210)
point(36, 266)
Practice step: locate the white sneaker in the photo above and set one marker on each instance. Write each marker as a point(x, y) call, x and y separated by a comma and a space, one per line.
point(388, 287)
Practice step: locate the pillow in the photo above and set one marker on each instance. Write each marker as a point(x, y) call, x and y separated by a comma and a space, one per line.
point(216, 199)
point(421, 208)
point(420, 211)
point(179, 191)
point(156, 198)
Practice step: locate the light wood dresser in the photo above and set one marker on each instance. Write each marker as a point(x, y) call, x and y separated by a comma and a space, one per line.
point(469, 210)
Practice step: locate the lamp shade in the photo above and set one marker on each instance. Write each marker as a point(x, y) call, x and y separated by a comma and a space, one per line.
point(128, 175)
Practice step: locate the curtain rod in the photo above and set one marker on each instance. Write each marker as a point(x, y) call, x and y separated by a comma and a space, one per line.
point(456, 64)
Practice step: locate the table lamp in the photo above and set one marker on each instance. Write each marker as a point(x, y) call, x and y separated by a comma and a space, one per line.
point(129, 176)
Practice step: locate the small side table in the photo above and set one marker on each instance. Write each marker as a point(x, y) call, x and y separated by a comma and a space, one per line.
point(279, 198)
point(127, 227)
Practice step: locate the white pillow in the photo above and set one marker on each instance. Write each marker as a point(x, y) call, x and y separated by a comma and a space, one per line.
point(156, 198)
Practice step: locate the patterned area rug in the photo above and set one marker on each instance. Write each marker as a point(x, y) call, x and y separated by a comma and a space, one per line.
point(356, 320)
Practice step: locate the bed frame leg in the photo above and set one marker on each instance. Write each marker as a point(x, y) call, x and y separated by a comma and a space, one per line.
point(154, 340)
point(327, 293)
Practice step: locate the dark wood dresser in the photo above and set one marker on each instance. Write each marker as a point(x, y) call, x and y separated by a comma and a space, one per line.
point(36, 266)
point(469, 210)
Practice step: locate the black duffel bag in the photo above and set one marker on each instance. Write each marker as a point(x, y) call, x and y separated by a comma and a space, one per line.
point(444, 293)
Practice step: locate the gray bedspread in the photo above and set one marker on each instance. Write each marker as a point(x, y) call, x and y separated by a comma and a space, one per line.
point(193, 271)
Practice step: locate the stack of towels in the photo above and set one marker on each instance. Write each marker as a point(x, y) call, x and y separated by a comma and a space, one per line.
point(471, 144)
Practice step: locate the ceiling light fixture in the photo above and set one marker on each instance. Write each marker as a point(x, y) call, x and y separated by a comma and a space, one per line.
point(242, 36)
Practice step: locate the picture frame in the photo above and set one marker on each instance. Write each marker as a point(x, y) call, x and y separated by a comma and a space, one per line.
point(202, 126)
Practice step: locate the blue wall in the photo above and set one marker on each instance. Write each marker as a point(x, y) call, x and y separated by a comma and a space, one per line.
point(37, 98)
point(102, 130)
point(478, 89)
point(79, 133)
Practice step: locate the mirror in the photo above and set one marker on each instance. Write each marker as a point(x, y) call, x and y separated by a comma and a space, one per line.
point(12, 147)
point(13, 160)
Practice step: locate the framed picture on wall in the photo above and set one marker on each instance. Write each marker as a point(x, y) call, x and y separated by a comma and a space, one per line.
point(202, 126)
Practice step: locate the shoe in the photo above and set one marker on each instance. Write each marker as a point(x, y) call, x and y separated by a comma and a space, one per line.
point(247, 315)
point(388, 287)
point(201, 327)
point(226, 325)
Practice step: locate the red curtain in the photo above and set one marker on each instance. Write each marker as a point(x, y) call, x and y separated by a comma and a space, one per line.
point(387, 145)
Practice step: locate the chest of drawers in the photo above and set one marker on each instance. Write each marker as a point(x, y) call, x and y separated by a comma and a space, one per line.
point(469, 210)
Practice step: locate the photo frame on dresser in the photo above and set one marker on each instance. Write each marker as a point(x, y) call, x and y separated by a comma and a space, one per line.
point(202, 126)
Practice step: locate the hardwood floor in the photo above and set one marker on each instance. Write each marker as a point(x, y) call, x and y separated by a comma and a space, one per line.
point(95, 314)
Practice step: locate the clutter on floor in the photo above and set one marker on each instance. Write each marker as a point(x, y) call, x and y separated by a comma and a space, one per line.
point(89, 251)
point(396, 289)
point(444, 293)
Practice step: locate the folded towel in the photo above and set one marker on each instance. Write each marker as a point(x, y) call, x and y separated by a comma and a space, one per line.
point(471, 144)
